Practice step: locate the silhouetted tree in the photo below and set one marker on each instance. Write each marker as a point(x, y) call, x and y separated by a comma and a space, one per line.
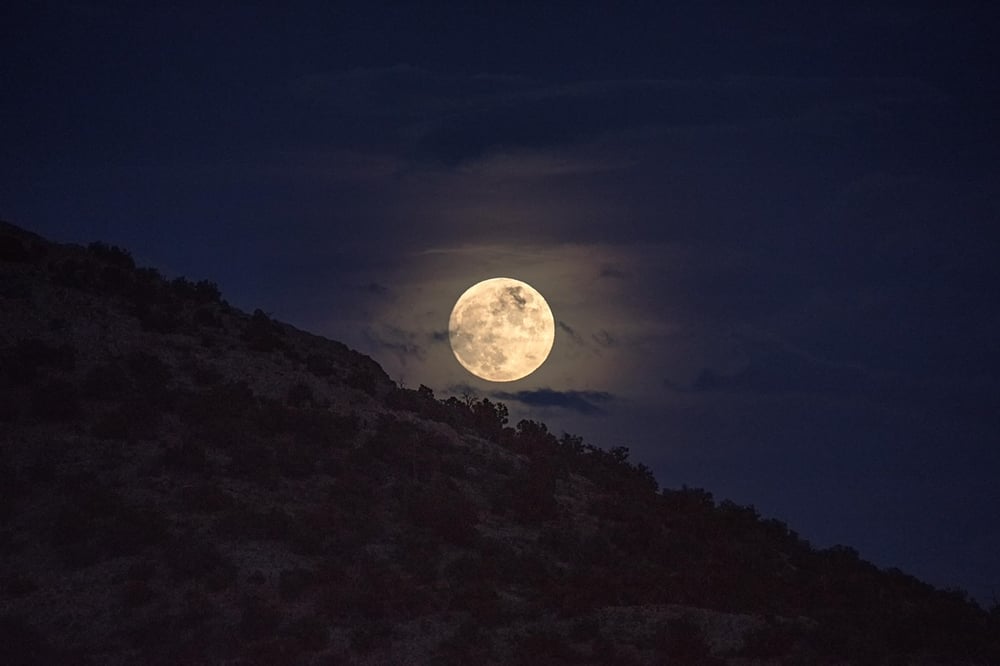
point(489, 418)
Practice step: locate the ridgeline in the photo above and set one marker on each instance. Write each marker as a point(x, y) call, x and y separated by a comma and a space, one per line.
point(183, 482)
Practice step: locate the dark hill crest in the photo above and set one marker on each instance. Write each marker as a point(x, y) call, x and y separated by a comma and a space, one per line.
point(183, 482)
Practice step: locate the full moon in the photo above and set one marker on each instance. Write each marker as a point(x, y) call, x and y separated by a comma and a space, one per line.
point(501, 329)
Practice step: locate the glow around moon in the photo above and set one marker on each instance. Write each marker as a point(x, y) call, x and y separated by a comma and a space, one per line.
point(501, 329)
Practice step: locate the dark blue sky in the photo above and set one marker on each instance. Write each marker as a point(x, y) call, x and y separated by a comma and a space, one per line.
point(768, 231)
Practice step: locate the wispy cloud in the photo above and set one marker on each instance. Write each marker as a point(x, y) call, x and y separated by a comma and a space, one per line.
point(583, 402)
point(604, 339)
point(375, 289)
point(775, 368)
point(568, 330)
point(402, 344)
point(613, 273)
point(454, 119)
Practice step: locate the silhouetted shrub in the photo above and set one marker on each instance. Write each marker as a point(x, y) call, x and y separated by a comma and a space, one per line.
point(188, 455)
point(189, 556)
point(311, 632)
point(24, 359)
point(57, 401)
point(371, 635)
point(644, 477)
point(470, 566)
point(137, 593)
point(95, 523)
point(478, 597)
point(545, 647)
point(469, 644)
point(13, 249)
point(456, 413)
point(202, 291)
point(206, 290)
point(391, 438)
point(632, 529)
point(274, 417)
point(564, 542)
point(154, 638)
point(533, 439)
point(606, 651)
point(203, 374)
point(145, 290)
point(105, 381)
point(205, 316)
point(528, 568)
point(262, 334)
point(254, 460)
point(688, 501)
point(300, 394)
point(681, 640)
point(73, 274)
point(113, 279)
point(10, 403)
point(246, 522)
point(454, 467)
point(585, 629)
point(308, 532)
point(72, 529)
point(770, 641)
point(489, 418)
point(296, 462)
point(23, 644)
point(406, 448)
point(132, 419)
point(319, 365)
point(196, 609)
point(421, 401)
point(112, 255)
point(322, 429)
point(503, 560)
point(529, 497)
point(159, 317)
point(143, 570)
point(292, 583)
point(378, 591)
point(205, 497)
point(443, 510)
point(418, 553)
point(292, 355)
point(42, 354)
point(151, 376)
point(16, 288)
point(259, 620)
point(233, 401)
point(18, 585)
point(362, 380)
point(848, 639)
point(128, 530)
point(585, 588)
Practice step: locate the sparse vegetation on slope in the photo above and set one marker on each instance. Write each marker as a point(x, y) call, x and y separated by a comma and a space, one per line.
point(184, 483)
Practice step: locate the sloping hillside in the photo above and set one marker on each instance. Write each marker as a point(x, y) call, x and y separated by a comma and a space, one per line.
point(186, 483)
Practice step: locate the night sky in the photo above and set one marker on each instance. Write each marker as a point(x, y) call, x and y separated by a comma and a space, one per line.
point(767, 231)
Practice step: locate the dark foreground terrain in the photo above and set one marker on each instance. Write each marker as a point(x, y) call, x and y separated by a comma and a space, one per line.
point(184, 483)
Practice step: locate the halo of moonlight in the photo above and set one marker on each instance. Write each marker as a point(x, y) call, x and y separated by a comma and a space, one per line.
point(501, 329)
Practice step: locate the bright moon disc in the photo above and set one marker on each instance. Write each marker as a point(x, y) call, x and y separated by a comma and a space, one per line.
point(501, 329)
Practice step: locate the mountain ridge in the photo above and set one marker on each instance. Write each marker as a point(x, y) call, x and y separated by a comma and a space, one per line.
point(186, 482)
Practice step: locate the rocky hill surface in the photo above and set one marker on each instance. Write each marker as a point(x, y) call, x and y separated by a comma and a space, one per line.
point(185, 483)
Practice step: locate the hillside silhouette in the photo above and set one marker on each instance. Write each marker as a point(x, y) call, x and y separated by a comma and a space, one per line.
point(185, 483)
